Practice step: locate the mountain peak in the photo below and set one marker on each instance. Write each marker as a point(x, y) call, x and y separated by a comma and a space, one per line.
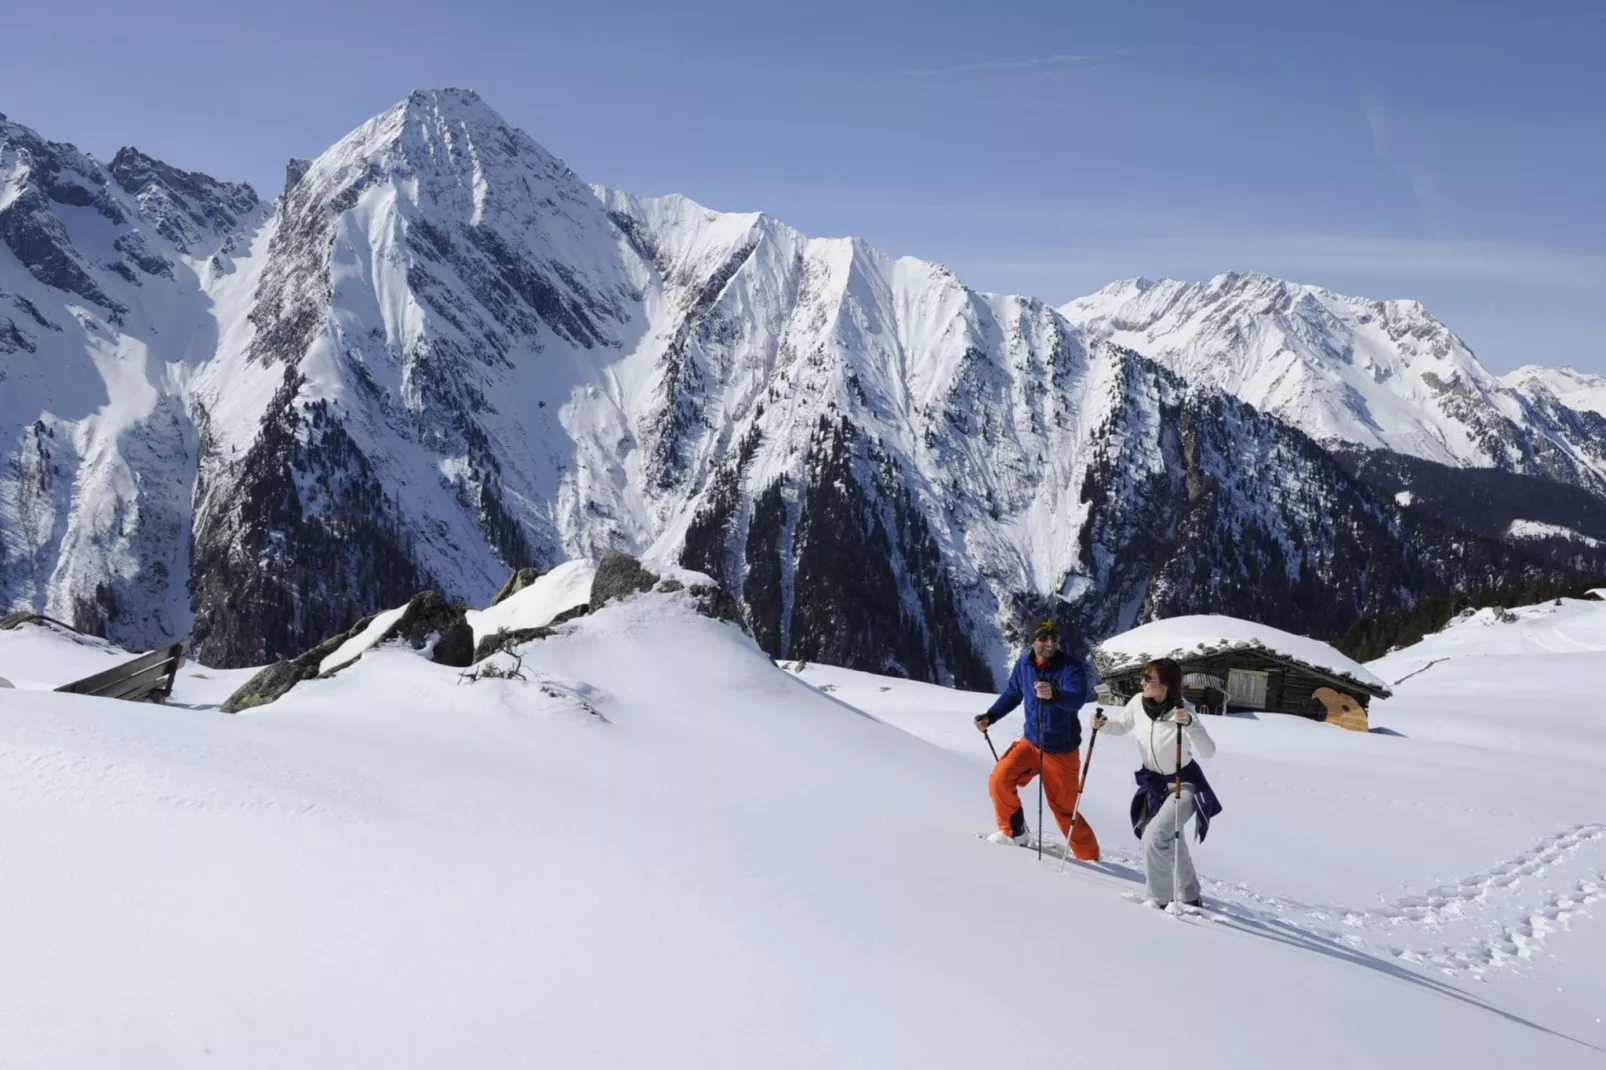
point(1142, 284)
point(1560, 372)
point(446, 94)
point(448, 131)
point(184, 206)
point(1578, 390)
point(451, 105)
point(1246, 282)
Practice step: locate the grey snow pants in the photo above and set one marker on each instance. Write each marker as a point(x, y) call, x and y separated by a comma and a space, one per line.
point(1158, 847)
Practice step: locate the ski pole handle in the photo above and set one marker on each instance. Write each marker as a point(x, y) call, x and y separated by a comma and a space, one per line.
point(1179, 765)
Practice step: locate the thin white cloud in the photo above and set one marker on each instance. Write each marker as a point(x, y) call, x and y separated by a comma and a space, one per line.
point(1424, 184)
point(1056, 59)
point(1449, 260)
point(1376, 115)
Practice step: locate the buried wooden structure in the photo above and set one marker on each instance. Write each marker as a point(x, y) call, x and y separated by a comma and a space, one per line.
point(1250, 677)
point(147, 678)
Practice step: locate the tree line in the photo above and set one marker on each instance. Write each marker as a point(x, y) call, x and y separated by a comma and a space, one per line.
point(1372, 637)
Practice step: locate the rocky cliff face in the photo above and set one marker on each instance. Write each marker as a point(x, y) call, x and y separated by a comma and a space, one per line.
point(440, 356)
point(111, 297)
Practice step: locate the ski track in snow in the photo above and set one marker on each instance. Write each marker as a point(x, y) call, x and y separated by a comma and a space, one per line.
point(1499, 925)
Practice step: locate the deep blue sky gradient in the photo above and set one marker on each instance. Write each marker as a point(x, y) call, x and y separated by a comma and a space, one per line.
point(1452, 152)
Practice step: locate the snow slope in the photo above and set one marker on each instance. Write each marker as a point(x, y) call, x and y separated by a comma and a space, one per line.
point(43, 656)
point(1538, 529)
point(1568, 626)
point(662, 851)
point(1464, 839)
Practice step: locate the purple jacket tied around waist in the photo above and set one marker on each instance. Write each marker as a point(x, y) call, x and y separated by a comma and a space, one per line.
point(1155, 788)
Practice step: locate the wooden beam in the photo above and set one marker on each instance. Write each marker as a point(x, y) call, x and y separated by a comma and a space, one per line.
point(147, 675)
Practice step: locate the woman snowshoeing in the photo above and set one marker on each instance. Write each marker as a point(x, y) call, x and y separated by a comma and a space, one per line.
point(1169, 737)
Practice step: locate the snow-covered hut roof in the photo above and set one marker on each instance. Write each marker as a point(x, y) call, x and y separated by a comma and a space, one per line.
point(1183, 638)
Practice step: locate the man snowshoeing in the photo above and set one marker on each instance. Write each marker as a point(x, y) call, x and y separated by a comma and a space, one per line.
point(1054, 687)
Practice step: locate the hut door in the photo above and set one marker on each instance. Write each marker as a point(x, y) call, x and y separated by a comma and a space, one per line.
point(1246, 688)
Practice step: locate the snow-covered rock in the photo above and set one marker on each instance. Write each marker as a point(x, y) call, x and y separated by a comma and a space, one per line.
point(564, 588)
point(363, 641)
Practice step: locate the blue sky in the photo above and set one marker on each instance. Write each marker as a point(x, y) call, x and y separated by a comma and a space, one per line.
point(1451, 152)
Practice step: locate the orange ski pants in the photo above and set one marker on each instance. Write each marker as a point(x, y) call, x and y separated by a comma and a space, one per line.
point(1061, 784)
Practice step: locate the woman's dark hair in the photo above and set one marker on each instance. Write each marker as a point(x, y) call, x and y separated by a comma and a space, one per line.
point(1170, 674)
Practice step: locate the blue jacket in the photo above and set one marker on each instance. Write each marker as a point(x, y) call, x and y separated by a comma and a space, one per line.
point(1054, 725)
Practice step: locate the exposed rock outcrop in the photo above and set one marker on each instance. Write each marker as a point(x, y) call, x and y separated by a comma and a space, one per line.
point(507, 639)
point(430, 623)
point(273, 682)
point(517, 582)
point(433, 624)
point(618, 576)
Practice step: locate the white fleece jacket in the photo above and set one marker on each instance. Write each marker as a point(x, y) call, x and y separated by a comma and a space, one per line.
point(1157, 740)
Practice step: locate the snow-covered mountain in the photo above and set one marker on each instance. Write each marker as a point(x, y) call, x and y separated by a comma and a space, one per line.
point(114, 281)
point(440, 354)
point(1584, 392)
point(1355, 374)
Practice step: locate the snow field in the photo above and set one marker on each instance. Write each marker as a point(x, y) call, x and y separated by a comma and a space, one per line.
point(1466, 840)
point(722, 865)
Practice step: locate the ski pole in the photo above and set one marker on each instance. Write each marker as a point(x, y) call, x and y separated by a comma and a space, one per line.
point(1040, 797)
point(990, 745)
point(1042, 739)
point(1098, 711)
point(1176, 832)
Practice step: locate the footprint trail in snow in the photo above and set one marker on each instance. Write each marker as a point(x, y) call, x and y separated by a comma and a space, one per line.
point(1498, 917)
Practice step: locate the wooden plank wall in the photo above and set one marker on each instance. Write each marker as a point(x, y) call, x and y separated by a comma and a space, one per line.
point(1289, 689)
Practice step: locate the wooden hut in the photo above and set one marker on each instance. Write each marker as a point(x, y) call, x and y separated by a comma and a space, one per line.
point(1231, 664)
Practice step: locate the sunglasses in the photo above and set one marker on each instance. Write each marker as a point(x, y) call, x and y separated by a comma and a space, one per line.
point(1150, 678)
